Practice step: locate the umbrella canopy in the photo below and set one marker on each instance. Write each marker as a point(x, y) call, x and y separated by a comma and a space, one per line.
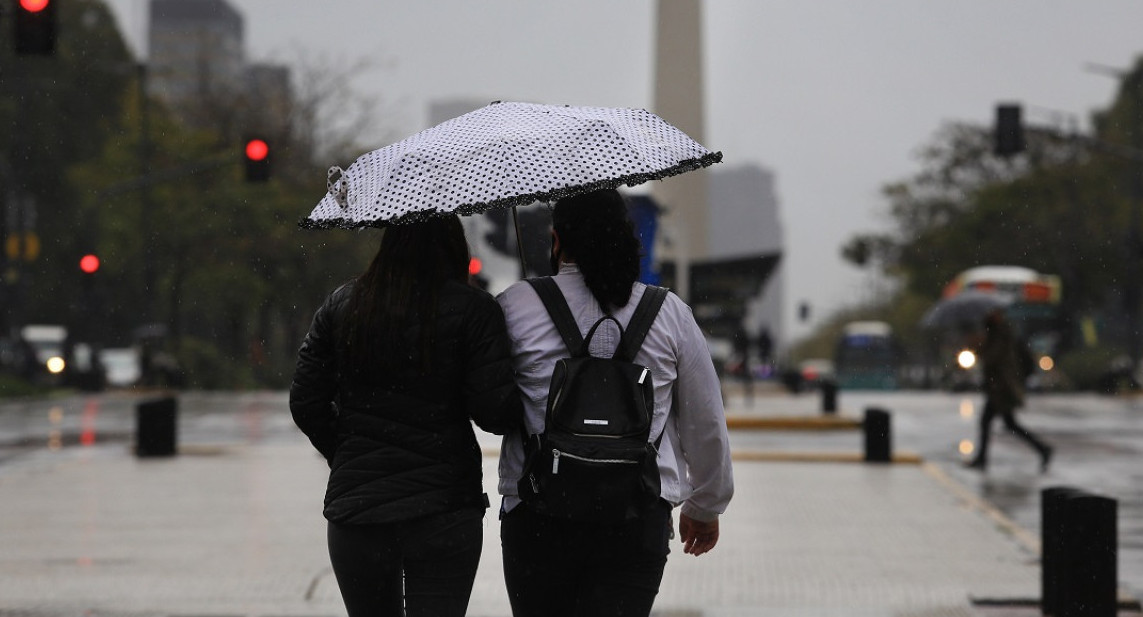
point(966, 308)
point(503, 155)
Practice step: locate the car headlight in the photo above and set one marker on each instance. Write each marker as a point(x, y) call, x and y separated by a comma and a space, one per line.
point(55, 365)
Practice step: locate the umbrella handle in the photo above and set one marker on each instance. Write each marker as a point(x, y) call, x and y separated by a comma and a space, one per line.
point(519, 244)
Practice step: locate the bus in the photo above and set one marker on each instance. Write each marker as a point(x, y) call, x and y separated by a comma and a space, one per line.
point(1033, 313)
point(867, 357)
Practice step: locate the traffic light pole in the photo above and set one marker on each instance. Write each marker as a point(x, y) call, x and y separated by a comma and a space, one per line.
point(145, 197)
point(1009, 141)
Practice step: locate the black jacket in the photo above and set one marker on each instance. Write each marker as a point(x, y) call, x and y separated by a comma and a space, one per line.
point(400, 445)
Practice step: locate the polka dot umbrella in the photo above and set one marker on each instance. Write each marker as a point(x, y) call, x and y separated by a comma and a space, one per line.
point(504, 155)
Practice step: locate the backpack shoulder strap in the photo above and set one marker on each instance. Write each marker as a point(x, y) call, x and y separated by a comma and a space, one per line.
point(641, 321)
point(559, 311)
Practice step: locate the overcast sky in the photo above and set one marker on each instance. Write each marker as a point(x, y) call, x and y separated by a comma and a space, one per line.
point(833, 96)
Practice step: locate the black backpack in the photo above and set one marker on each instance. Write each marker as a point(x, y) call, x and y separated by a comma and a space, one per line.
point(595, 461)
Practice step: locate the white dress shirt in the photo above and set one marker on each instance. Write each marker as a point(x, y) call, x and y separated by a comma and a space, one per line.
point(694, 457)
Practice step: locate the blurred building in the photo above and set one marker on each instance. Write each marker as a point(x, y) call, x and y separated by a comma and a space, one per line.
point(196, 49)
point(745, 223)
point(269, 94)
point(197, 66)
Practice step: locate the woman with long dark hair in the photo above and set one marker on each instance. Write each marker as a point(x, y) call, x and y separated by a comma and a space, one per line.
point(557, 567)
point(396, 365)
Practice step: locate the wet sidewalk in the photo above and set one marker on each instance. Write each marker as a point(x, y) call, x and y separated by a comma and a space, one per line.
point(235, 529)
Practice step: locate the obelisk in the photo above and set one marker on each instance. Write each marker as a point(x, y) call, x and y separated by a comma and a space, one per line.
point(678, 99)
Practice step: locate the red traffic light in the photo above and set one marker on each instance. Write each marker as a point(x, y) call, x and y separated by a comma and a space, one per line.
point(35, 27)
point(257, 159)
point(89, 264)
point(256, 150)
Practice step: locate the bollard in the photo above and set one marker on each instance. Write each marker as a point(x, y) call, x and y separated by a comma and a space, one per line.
point(156, 424)
point(1088, 579)
point(829, 396)
point(878, 436)
point(1053, 531)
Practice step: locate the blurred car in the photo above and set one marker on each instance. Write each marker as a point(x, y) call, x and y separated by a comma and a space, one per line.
point(45, 351)
point(814, 371)
point(122, 366)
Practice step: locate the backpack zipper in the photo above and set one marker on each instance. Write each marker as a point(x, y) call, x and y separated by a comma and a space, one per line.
point(556, 454)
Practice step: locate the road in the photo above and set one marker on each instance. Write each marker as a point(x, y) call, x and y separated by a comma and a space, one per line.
point(1098, 441)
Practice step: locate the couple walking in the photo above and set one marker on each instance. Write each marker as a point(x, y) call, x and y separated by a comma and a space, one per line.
point(399, 360)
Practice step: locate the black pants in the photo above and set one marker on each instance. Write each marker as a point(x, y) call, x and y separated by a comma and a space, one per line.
point(1008, 415)
point(422, 567)
point(559, 568)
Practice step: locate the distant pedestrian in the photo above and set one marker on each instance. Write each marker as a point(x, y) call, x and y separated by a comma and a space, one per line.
point(396, 365)
point(1004, 371)
point(765, 345)
point(556, 567)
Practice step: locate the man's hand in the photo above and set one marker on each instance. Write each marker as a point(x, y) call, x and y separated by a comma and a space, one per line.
point(698, 537)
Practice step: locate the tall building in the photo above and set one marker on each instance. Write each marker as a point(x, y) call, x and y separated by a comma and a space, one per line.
point(198, 67)
point(196, 50)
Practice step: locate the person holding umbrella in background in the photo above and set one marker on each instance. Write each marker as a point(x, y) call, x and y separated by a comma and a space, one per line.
point(1004, 373)
point(396, 364)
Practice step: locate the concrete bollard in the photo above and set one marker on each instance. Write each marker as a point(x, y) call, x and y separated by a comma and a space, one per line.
point(829, 396)
point(878, 436)
point(156, 427)
point(1080, 553)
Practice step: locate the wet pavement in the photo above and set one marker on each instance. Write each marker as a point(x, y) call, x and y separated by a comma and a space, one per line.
point(232, 525)
point(1098, 443)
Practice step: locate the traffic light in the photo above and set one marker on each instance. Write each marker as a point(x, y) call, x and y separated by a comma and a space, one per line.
point(1009, 130)
point(89, 264)
point(256, 153)
point(35, 26)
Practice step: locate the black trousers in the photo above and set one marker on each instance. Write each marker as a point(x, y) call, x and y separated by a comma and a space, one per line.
point(559, 568)
point(1008, 414)
point(418, 568)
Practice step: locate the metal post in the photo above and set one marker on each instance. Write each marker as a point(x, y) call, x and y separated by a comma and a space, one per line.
point(1053, 532)
point(1089, 578)
point(1136, 247)
point(878, 436)
point(829, 396)
point(156, 428)
point(148, 308)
